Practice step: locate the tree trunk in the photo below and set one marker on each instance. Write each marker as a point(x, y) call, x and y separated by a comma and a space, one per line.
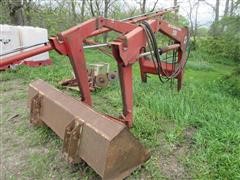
point(143, 8)
point(91, 8)
point(195, 27)
point(73, 8)
point(176, 12)
point(154, 5)
point(226, 10)
point(231, 8)
point(98, 7)
point(27, 11)
point(190, 17)
point(83, 10)
point(16, 12)
point(215, 26)
point(175, 3)
point(217, 11)
point(106, 4)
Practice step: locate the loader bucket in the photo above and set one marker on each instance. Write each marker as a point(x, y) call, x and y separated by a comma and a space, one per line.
point(104, 144)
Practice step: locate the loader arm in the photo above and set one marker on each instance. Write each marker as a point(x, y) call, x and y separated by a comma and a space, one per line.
point(102, 141)
point(126, 49)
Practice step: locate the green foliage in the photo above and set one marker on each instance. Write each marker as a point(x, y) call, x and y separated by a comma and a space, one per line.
point(222, 48)
point(200, 65)
point(55, 20)
point(177, 20)
point(224, 44)
point(202, 32)
point(231, 25)
point(231, 83)
point(4, 16)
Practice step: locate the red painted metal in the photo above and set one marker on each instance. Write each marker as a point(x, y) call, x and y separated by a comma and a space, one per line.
point(18, 57)
point(38, 63)
point(125, 49)
point(45, 62)
point(148, 67)
point(135, 20)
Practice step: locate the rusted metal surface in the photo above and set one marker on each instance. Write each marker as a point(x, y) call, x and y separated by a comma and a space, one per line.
point(35, 110)
point(72, 142)
point(104, 144)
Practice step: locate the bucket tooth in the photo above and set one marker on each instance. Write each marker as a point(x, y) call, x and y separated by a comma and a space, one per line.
point(71, 142)
point(104, 144)
point(35, 110)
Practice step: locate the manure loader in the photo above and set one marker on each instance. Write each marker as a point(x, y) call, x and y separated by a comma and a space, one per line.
point(104, 142)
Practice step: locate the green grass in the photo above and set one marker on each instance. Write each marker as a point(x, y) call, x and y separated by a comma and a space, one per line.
point(162, 116)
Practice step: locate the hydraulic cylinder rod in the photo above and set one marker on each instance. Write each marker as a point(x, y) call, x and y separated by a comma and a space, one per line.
point(162, 50)
point(95, 46)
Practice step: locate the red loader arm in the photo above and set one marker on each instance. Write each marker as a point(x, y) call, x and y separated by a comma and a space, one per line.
point(126, 49)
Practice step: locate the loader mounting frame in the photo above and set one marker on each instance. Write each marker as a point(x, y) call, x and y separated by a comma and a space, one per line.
point(126, 50)
point(80, 127)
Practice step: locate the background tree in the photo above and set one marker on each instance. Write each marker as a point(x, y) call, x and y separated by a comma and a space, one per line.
point(83, 10)
point(192, 14)
point(15, 9)
point(143, 5)
point(73, 10)
point(175, 3)
point(226, 9)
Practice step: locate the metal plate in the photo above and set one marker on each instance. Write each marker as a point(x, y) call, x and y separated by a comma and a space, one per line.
point(104, 144)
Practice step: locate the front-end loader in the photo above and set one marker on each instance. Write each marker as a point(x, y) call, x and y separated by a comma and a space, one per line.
point(104, 142)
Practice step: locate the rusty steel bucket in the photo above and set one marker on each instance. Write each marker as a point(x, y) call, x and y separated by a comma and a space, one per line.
point(104, 144)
